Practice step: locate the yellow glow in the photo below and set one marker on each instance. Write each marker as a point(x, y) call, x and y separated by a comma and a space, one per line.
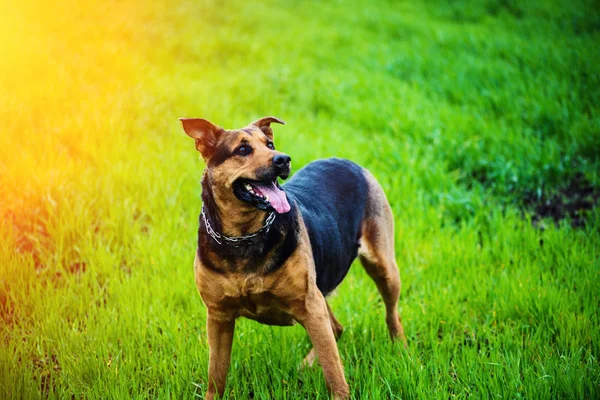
point(63, 66)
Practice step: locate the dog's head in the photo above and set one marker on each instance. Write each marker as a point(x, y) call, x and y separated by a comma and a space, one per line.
point(243, 163)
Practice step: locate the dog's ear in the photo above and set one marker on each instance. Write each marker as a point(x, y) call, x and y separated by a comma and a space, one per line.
point(205, 133)
point(264, 124)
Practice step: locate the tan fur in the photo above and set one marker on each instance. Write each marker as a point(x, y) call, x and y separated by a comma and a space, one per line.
point(377, 254)
point(288, 294)
point(337, 328)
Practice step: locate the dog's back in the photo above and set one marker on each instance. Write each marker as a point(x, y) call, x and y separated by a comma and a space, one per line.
point(332, 196)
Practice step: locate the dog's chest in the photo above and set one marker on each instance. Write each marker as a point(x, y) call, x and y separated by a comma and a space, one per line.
point(264, 309)
point(249, 296)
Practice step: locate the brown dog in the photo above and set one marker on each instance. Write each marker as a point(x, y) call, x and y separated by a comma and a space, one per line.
point(272, 253)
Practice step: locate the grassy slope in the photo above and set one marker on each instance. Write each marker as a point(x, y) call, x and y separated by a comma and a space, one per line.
point(458, 110)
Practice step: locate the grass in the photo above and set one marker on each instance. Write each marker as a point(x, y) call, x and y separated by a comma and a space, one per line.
point(460, 109)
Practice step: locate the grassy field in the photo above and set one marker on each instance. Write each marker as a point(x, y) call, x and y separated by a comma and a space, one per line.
point(469, 114)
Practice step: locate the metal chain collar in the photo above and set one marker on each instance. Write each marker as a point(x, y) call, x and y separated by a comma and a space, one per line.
point(236, 239)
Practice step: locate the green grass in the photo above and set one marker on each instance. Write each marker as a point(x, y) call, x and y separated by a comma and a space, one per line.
point(460, 110)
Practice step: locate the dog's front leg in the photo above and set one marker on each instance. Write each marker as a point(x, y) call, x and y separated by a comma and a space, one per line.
point(220, 338)
point(315, 319)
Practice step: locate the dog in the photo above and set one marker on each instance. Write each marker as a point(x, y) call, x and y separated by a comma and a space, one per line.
point(273, 253)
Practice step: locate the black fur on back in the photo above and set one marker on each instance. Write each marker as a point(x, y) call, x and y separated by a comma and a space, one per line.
point(332, 196)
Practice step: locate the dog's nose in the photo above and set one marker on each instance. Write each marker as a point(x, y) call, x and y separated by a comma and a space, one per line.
point(281, 160)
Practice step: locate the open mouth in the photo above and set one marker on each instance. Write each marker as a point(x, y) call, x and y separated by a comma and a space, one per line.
point(264, 195)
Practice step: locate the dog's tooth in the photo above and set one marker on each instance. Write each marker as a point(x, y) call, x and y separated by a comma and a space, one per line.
point(267, 197)
point(248, 187)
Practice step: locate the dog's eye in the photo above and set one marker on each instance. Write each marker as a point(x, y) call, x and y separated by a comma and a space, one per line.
point(271, 145)
point(243, 150)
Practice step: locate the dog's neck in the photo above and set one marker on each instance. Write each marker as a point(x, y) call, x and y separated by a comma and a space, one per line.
point(225, 213)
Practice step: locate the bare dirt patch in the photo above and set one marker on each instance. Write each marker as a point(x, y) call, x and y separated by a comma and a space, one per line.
point(573, 202)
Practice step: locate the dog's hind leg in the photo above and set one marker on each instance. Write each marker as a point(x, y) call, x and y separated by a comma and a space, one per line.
point(337, 332)
point(377, 254)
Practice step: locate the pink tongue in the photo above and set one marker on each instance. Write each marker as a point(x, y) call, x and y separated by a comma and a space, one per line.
point(277, 197)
